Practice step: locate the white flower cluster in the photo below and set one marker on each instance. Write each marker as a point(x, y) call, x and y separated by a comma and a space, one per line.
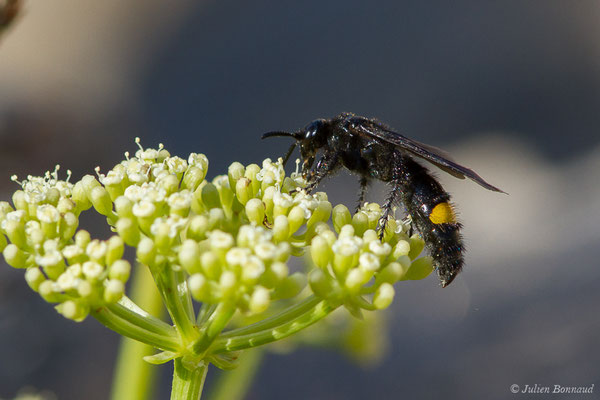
point(356, 263)
point(232, 236)
point(64, 267)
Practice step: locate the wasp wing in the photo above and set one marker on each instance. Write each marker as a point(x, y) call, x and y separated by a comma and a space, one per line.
point(432, 154)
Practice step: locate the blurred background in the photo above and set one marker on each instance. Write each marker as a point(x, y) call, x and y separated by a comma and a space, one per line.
point(511, 89)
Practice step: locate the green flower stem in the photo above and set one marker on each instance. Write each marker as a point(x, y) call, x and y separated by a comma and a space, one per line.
point(281, 318)
point(173, 289)
point(205, 312)
point(214, 326)
point(184, 295)
point(132, 328)
point(234, 384)
point(127, 309)
point(134, 378)
point(362, 303)
point(188, 384)
point(318, 312)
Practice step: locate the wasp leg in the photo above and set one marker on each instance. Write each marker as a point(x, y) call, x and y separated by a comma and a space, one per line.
point(387, 206)
point(393, 196)
point(364, 183)
point(325, 166)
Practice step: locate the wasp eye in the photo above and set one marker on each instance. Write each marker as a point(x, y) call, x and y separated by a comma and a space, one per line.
point(310, 132)
point(315, 130)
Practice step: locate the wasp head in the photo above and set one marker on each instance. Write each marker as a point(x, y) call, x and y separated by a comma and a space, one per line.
point(310, 139)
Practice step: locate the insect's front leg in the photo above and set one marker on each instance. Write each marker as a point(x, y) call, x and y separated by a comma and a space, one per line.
point(325, 166)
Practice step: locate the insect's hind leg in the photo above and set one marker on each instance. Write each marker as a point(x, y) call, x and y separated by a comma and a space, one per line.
point(387, 206)
point(364, 184)
point(397, 182)
point(327, 164)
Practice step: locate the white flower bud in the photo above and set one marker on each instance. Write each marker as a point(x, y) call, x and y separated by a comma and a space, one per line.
point(114, 290)
point(92, 270)
point(369, 262)
point(259, 301)
point(47, 213)
point(96, 250)
point(252, 269)
point(143, 209)
point(380, 249)
point(384, 295)
point(221, 240)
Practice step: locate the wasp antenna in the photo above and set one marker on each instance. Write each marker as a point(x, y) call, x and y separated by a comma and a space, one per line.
point(278, 133)
point(289, 153)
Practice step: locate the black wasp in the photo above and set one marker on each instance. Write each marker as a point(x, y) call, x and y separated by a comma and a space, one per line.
point(373, 151)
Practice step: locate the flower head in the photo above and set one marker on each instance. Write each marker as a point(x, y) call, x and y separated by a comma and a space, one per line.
point(232, 237)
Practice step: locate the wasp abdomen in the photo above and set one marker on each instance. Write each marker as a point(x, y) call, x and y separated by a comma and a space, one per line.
point(445, 245)
point(433, 215)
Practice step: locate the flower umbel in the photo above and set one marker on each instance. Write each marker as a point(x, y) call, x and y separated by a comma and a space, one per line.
point(225, 243)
